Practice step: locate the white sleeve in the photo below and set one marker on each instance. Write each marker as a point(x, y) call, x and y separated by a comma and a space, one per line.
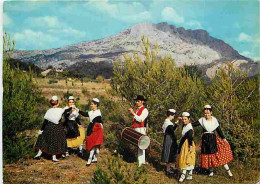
point(142, 117)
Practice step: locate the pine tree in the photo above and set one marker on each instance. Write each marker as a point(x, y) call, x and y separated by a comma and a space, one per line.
point(21, 99)
point(159, 80)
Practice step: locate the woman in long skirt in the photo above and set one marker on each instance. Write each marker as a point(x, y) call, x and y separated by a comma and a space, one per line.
point(170, 146)
point(215, 151)
point(75, 133)
point(186, 151)
point(95, 133)
point(52, 137)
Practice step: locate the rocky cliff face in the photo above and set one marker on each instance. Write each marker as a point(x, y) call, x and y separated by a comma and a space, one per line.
point(186, 47)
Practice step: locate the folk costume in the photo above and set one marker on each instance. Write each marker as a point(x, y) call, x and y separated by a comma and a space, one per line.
point(170, 146)
point(215, 151)
point(186, 156)
point(138, 124)
point(94, 132)
point(52, 138)
point(75, 133)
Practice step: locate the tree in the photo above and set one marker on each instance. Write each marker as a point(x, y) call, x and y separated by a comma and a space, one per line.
point(21, 99)
point(160, 81)
point(100, 79)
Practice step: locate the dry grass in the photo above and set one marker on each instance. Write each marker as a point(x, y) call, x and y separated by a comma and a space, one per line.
point(88, 90)
point(70, 170)
point(73, 170)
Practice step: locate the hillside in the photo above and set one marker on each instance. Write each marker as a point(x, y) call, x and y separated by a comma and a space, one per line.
point(186, 47)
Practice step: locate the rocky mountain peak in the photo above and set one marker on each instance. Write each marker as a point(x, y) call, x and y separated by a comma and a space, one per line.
point(185, 46)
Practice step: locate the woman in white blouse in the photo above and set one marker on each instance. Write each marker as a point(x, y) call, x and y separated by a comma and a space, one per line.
point(94, 137)
point(75, 133)
point(215, 151)
point(52, 137)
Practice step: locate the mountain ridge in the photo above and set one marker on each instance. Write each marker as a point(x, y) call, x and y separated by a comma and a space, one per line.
point(185, 46)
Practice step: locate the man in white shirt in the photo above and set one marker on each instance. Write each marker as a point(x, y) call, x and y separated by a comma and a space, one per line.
point(138, 123)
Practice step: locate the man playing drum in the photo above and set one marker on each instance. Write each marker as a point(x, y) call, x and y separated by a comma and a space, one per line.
point(138, 123)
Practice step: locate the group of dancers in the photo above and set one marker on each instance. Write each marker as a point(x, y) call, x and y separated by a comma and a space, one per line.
point(215, 151)
point(57, 136)
point(62, 131)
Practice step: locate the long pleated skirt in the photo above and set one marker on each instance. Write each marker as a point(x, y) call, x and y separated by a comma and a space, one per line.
point(221, 157)
point(53, 140)
point(170, 148)
point(186, 158)
point(95, 138)
point(76, 142)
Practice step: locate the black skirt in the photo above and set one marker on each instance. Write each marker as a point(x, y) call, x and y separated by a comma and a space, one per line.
point(170, 147)
point(72, 129)
point(53, 140)
point(208, 143)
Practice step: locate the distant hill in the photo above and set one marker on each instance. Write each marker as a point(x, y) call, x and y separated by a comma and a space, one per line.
point(188, 47)
point(24, 66)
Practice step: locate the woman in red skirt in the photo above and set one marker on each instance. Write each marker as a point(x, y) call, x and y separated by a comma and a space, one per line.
point(95, 133)
point(215, 151)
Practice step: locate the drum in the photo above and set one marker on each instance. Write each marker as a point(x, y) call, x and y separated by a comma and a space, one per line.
point(136, 138)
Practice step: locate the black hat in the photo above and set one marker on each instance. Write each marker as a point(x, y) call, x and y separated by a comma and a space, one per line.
point(140, 97)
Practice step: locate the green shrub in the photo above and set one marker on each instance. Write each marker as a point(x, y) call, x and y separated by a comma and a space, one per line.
point(160, 81)
point(51, 81)
point(100, 79)
point(21, 102)
point(235, 100)
point(85, 92)
point(21, 99)
point(117, 172)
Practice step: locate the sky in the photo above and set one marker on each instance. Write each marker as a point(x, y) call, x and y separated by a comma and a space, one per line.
point(39, 25)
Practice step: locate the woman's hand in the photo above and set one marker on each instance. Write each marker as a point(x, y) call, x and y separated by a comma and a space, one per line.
point(131, 111)
point(190, 148)
point(178, 120)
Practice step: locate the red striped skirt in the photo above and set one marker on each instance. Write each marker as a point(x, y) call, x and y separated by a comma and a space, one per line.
point(221, 157)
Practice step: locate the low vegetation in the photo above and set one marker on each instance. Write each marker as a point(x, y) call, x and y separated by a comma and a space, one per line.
point(234, 97)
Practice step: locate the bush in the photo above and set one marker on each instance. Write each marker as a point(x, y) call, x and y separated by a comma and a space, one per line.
point(85, 92)
point(100, 79)
point(117, 172)
point(51, 81)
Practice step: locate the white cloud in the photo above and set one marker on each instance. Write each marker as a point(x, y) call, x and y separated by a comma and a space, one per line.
point(34, 39)
point(169, 14)
point(6, 20)
point(44, 22)
point(124, 11)
point(22, 6)
point(142, 16)
point(73, 32)
point(193, 24)
point(246, 53)
point(53, 26)
point(237, 25)
point(243, 37)
point(256, 58)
